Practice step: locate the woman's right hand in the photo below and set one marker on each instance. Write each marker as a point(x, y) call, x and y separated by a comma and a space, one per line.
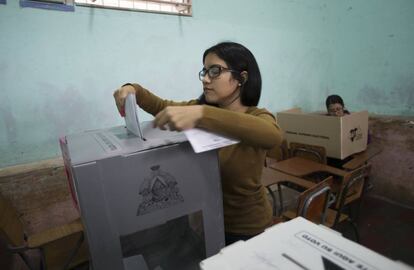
point(120, 96)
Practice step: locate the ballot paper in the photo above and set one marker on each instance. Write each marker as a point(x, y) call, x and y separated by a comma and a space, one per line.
point(202, 140)
point(199, 139)
point(131, 116)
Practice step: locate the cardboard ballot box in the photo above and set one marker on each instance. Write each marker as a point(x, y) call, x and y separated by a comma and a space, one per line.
point(145, 204)
point(340, 136)
point(297, 245)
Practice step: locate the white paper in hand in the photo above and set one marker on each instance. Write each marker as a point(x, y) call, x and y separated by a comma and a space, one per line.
point(131, 116)
point(202, 140)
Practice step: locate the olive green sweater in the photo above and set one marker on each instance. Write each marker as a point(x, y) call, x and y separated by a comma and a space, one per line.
point(246, 208)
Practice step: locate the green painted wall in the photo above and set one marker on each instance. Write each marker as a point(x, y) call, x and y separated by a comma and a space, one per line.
point(58, 69)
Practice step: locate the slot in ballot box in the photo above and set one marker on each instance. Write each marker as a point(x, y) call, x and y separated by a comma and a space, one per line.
point(299, 244)
point(340, 136)
point(145, 204)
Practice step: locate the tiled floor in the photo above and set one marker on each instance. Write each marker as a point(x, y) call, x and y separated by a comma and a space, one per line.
point(387, 228)
point(384, 227)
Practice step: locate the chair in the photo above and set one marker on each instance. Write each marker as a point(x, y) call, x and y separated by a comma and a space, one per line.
point(271, 177)
point(312, 152)
point(351, 190)
point(61, 247)
point(352, 186)
point(312, 202)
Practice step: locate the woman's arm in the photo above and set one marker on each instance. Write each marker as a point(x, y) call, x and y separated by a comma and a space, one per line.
point(153, 104)
point(145, 99)
point(256, 127)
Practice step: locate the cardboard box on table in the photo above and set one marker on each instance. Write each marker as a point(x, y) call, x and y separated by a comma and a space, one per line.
point(141, 201)
point(297, 245)
point(340, 136)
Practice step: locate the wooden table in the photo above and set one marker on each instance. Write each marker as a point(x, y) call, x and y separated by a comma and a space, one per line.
point(360, 159)
point(300, 167)
point(272, 177)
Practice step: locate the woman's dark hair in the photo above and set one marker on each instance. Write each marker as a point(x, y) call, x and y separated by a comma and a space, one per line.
point(332, 99)
point(238, 57)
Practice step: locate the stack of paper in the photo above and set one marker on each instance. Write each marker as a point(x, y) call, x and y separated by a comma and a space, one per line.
point(299, 244)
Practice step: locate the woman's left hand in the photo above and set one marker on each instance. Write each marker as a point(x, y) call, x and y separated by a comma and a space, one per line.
point(179, 117)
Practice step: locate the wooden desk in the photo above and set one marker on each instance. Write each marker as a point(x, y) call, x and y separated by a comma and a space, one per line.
point(360, 159)
point(301, 167)
point(272, 177)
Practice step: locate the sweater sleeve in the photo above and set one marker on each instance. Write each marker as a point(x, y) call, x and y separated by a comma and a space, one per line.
point(256, 127)
point(153, 104)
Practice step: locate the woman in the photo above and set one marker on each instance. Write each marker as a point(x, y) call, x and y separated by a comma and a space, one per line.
point(335, 106)
point(231, 91)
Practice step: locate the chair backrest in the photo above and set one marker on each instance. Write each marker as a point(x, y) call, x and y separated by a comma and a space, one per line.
point(11, 228)
point(313, 202)
point(352, 186)
point(312, 152)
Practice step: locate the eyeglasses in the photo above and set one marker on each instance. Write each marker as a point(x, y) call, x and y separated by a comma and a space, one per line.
point(213, 72)
point(335, 109)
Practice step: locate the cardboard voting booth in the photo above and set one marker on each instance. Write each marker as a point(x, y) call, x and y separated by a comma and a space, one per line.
point(148, 203)
point(297, 245)
point(340, 136)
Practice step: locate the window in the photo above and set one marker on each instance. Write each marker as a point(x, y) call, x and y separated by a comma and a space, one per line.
point(177, 7)
point(64, 5)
